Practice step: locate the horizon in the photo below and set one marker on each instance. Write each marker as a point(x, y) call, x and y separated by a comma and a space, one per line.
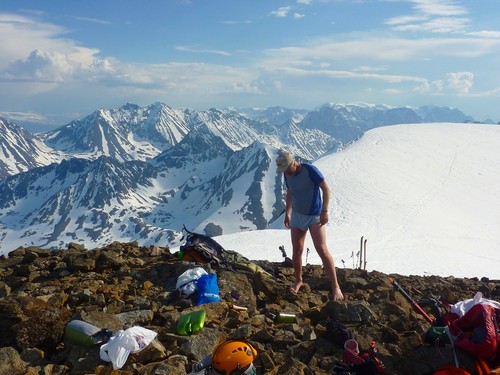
point(62, 61)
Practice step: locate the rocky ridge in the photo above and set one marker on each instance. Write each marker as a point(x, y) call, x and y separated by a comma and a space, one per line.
point(124, 285)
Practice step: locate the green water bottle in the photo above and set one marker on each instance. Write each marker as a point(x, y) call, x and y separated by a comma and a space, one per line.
point(80, 332)
point(283, 317)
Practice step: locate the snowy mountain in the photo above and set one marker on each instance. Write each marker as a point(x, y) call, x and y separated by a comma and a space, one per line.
point(425, 197)
point(22, 150)
point(141, 173)
point(273, 115)
point(347, 122)
point(127, 133)
point(200, 183)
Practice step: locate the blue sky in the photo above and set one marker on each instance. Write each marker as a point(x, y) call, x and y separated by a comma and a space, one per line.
point(64, 59)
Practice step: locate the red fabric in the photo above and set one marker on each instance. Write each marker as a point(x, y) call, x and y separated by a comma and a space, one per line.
point(451, 370)
point(475, 332)
point(349, 357)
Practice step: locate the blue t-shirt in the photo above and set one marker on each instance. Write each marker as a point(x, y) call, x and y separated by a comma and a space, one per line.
point(306, 197)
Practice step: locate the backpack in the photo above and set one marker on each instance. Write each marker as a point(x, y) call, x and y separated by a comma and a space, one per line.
point(366, 368)
point(201, 249)
point(372, 355)
point(451, 370)
point(338, 333)
point(205, 250)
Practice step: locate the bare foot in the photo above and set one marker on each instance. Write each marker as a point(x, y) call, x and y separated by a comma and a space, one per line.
point(337, 294)
point(295, 287)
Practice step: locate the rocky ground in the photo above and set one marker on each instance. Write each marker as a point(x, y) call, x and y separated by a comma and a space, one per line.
point(125, 285)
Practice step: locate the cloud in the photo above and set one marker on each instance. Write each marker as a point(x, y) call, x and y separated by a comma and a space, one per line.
point(93, 20)
point(401, 20)
point(436, 16)
point(442, 8)
point(201, 50)
point(281, 12)
point(461, 82)
point(345, 74)
point(374, 49)
point(298, 15)
point(454, 83)
point(437, 25)
point(365, 68)
point(246, 22)
point(488, 34)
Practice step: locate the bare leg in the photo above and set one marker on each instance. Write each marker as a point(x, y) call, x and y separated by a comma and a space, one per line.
point(318, 236)
point(298, 239)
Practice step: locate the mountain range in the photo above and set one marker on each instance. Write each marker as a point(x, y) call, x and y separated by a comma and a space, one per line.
point(141, 173)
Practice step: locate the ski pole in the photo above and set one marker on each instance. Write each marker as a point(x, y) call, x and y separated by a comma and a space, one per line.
point(414, 304)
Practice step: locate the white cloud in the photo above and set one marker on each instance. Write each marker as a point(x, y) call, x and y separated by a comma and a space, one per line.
point(444, 8)
point(405, 19)
point(202, 50)
point(366, 68)
point(462, 82)
point(437, 25)
point(489, 34)
point(392, 91)
point(281, 12)
point(437, 16)
point(93, 20)
point(298, 15)
point(374, 49)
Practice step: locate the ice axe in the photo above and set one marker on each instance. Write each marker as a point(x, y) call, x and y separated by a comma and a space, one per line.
point(413, 303)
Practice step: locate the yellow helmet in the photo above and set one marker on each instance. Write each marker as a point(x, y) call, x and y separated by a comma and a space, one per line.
point(233, 357)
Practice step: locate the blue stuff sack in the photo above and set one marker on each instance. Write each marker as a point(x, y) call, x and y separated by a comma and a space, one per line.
point(208, 289)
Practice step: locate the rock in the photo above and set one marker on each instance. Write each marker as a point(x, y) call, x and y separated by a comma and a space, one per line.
point(11, 362)
point(124, 285)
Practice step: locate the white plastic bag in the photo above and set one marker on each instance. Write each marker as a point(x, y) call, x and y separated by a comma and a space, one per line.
point(121, 344)
point(186, 282)
point(461, 308)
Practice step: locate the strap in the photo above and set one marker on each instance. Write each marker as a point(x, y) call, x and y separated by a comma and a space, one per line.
point(481, 366)
point(447, 330)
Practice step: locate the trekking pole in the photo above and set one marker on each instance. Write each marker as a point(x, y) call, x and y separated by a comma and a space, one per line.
point(414, 304)
point(364, 255)
point(361, 252)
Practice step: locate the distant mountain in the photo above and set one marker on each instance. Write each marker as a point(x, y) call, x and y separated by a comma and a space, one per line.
point(347, 122)
point(433, 113)
point(141, 173)
point(22, 150)
point(128, 133)
point(273, 115)
point(199, 183)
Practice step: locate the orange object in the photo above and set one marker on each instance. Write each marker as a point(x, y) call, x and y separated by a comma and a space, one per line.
point(232, 356)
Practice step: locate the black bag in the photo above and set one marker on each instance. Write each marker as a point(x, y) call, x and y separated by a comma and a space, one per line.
point(201, 249)
point(338, 333)
point(369, 367)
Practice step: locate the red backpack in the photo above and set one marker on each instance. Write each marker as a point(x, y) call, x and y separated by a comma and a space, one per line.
point(451, 370)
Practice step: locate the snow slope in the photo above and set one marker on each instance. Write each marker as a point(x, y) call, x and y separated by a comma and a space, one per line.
point(425, 196)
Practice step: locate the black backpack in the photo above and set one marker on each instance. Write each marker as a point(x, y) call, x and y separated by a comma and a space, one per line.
point(201, 249)
point(338, 332)
point(367, 368)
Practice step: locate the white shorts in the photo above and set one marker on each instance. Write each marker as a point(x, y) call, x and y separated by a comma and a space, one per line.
point(303, 222)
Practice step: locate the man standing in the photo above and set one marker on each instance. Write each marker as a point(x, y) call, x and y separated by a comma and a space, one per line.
point(307, 210)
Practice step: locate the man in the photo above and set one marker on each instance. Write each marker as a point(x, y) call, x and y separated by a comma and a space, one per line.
point(307, 199)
